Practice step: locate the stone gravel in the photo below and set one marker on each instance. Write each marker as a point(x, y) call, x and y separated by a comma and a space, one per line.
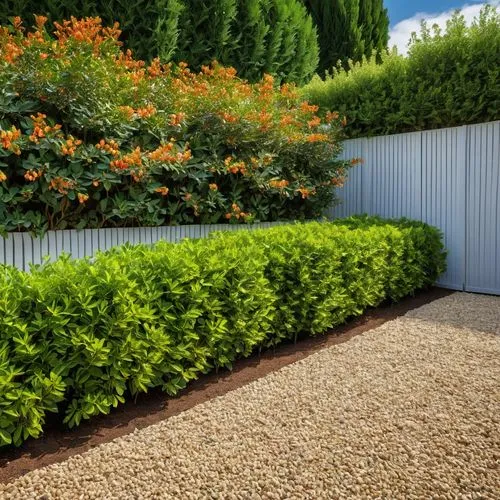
point(408, 410)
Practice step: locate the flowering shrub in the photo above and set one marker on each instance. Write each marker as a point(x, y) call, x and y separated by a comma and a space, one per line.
point(91, 137)
point(78, 338)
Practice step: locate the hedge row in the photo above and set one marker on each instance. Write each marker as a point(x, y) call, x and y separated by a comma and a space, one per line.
point(255, 36)
point(78, 337)
point(448, 79)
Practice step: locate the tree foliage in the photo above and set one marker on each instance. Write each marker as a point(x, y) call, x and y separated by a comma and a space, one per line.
point(448, 79)
point(348, 29)
point(254, 36)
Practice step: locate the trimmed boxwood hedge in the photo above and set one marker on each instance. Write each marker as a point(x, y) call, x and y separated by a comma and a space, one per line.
point(78, 337)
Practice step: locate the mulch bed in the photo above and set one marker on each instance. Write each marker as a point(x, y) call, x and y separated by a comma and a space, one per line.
point(58, 443)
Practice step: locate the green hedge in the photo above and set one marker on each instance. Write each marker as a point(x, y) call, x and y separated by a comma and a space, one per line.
point(448, 79)
point(79, 337)
point(255, 36)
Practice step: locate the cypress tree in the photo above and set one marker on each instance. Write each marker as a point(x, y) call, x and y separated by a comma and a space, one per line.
point(255, 36)
point(348, 29)
point(374, 23)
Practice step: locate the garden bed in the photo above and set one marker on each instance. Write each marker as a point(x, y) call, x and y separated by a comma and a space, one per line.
point(58, 443)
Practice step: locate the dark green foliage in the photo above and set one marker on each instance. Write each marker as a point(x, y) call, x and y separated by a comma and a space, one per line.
point(150, 27)
point(348, 30)
point(447, 79)
point(374, 23)
point(254, 36)
point(79, 337)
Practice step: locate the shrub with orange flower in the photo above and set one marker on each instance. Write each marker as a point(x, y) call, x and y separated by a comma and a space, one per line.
point(124, 130)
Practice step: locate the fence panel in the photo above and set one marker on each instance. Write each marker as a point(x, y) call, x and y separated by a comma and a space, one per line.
point(22, 250)
point(449, 178)
point(483, 209)
point(443, 195)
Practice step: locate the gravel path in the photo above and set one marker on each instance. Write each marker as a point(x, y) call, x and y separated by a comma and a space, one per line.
point(409, 410)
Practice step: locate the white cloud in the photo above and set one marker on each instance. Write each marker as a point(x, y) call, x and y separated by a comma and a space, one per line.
point(400, 34)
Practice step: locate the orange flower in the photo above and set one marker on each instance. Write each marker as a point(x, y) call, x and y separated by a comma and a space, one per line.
point(317, 138)
point(33, 175)
point(41, 129)
point(177, 119)
point(118, 165)
point(163, 190)
point(344, 121)
point(40, 21)
point(308, 108)
point(356, 161)
point(314, 122)
point(165, 154)
point(82, 198)
point(187, 196)
point(234, 168)
point(7, 137)
point(287, 120)
point(44, 55)
point(279, 184)
point(213, 187)
point(338, 182)
point(228, 215)
point(131, 159)
point(331, 115)
point(146, 112)
point(155, 68)
point(88, 30)
point(229, 118)
point(288, 90)
point(110, 147)
point(17, 22)
point(70, 146)
point(61, 185)
point(306, 192)
point(11, 50)
point(3, 177)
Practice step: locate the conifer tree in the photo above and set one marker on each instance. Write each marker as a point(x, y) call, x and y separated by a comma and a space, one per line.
point(255, 36)
point(348, 29)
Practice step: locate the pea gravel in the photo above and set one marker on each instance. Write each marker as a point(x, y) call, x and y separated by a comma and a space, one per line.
point(408, 410)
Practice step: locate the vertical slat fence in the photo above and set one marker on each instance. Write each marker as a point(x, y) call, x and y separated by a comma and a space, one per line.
point(449, 178)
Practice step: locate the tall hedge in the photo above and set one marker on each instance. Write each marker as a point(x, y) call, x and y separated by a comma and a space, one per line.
point(348, 30)
point(448, 79)
point(255, 36)
point(78, 338)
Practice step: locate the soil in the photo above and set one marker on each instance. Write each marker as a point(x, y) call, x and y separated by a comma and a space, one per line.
point(58, 443)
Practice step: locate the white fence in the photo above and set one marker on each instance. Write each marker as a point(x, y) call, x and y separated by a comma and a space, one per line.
point(449, 178)
point(21, 249)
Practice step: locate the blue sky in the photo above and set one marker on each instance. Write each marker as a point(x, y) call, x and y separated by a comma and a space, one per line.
point(402, 9)
point(406, 15)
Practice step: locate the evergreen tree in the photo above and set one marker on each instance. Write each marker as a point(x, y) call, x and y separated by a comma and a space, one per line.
point(348, 29)
point(255, 36)
point(374, 23)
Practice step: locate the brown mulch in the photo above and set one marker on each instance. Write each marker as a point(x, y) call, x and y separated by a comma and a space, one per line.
point(59, 443)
